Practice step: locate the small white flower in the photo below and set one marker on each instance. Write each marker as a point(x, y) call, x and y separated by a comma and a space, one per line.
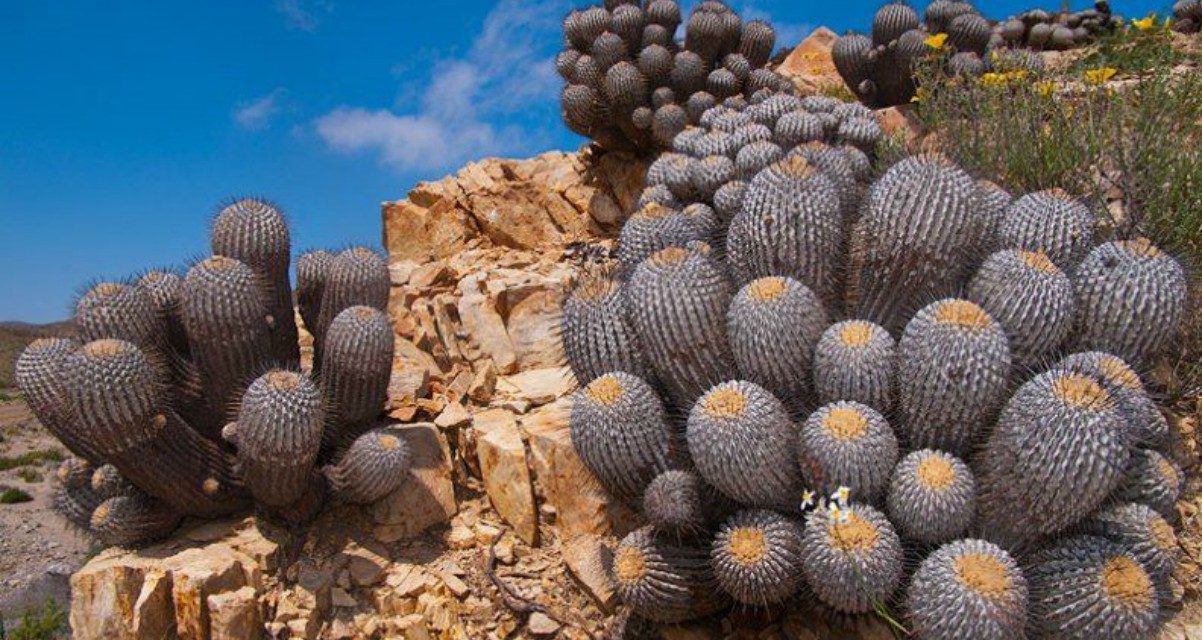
point(841, 496)
point(807, 500)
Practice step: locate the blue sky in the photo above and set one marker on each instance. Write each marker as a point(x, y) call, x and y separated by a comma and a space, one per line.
point(123, 124)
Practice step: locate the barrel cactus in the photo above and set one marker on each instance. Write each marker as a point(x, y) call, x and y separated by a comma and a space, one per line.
point(1052, 222)
point(757, 557)
point(373, 466)
point(851, 558)
point(681, 503)
point(130, 520)
point(847, 444)
point(597, 336)
point(1152, 479)
point(1030, 298)
point(968, 589)
point(854, 360)
point(663, 580)
point(932, 497)
point(356, 365)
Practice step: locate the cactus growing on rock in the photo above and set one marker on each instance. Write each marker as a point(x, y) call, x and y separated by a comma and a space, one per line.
point(756, 557)
point(1130, 295)
point(847, 444)
point(851, 557)
point(373, 466)
point(1087, 587)
point(134, 519)
point(968, 589)
point(953, 374)
point(932, 497)
point(621, 432)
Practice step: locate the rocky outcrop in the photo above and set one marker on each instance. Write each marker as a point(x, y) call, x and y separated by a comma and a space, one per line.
point(810, 65)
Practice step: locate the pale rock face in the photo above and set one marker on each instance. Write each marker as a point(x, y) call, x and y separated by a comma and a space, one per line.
point(810, 65)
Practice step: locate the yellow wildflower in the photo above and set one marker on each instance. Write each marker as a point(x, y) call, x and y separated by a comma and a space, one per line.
point(1146, 23)
point(996, 79)
point(1045, 88)
point(936, 41)
point(919, 95)
point(1101, 75)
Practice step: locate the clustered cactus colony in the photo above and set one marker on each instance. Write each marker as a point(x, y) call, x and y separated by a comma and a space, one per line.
point(631, 86)
point(183, 396)
point(1187, 16)
point(879, 68)
point(954, 367)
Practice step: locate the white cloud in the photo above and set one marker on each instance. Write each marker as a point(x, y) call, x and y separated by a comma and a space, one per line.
point(303, 15)
point(458, 112)
point(257, 114)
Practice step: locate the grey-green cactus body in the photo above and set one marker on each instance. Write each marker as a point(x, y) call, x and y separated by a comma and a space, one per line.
point(854, 360)
point(1050, 221)
point(847, 444)
point(357, 276)
point(312, 270)
point(663, 580)
point(1030, 297)
point(597, 336)
point(1153, 480)
point(953, 375)
point(655, 227)
point(932, 497)
point(40, 374)
point(852, 560)
point(278, 435)
point(968, 589)
point(356, 366)
point(1148, 426)
point(1142, 531)
point(743, 443)
point(132, 520)
point(774, 324)
point(680, 503)
point(619, 428)
point(376, 464)
point(756, 556)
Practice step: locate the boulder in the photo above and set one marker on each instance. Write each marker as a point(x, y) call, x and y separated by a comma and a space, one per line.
point(810, 65)
point(505, 472)
point(428, 497)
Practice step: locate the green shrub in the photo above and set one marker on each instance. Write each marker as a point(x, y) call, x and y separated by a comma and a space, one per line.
point(30, 458)
point(9, 495)
point(38, 623)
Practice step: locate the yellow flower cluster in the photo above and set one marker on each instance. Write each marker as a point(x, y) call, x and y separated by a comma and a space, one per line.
point(1100, 75)
point(936, 41)
point(998, 79)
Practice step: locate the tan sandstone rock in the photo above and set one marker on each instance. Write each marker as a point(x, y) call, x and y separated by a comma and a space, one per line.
point(810, 65)
point(235, 615)
point(428, 497)
point(506, 475)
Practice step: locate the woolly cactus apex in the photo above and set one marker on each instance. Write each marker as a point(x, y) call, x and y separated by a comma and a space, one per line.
point(1142, 531)
point(375, 465)
point(1148, 426)
point(662, 580)
point(1153, 480)
point(728, 199)
point(847, 444)
point(913, 239)
point(1057, 452)
point(774, 323)
point(1031, 298)
point(851, 557)
point(757, 557)
point(757, 42)
point(107, 482)
point(1050, 221)
point(742, 441)
point(254, 232)
point(164, 290)
point(597, 337)
point(357, 276)
point(969, 32)
point(658, 194)
point(676, 301)
point(790, 225)
point(40, 374)
point(123, 312)
point(854, 361)
point(953, 374)
point(278, 435)
point(891, 21)
point(688, 73)
point(1090, 588)
point(1131, 299)
point(619, 428)
point(75, 473)
point(681, 503)
point(312, 270)
point(968, 589)
point(655, 227)
point(356, 364)
point(932, 497)
point(227, 318)
point(132, 520)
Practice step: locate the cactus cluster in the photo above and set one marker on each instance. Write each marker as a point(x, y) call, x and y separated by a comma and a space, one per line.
point(803, 396)
point(183, 394)
point(952, 35)
point(1187, 16)
point(631, 86)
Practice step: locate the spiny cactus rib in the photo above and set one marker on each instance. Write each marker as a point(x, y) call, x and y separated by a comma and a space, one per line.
point(357, 276)
point(1087, 587)
point(619, 428)
point(654, 228)
point(40, 373)
point(914, 239)
point(1057, 452)
point(278, 435)
point(968, 589)
point(757, 557)
point(1030, 297)
point(597, 337)
point(107, 482)
point(123, 312)
point(1153, 480)
point(226, 314)
point(132, 520)
point(790, 225)
point(1050, 221)
point(1147, 425)
point(375, 465)
point(1142, 531)
point(662, 580)
point(677, 301)
point(164, 290)
point(892, 20)
point(969, 32)
point(312, 271)
point(681, 503)
point(73, 497)
point(932, 497)
point(254, 232)
point(356, 365)
point(1131, 297)
point(742, 442)
point(953, 375)
point(774, 324)
point(847, 444)
point(851, 559)
point(854, 360)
